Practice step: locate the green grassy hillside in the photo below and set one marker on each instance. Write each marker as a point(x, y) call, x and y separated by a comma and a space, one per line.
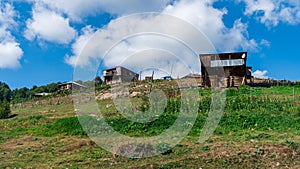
point(260, 128)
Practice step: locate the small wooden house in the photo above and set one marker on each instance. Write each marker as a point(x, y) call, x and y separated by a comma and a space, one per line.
point(148, 78)
point(224, 70)
point(119, 74)
point(43, 94)
point(71, 86)
point(192, 76)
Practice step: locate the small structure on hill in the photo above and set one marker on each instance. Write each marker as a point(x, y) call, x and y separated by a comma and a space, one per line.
point(167, 77)
point(119, 74)
point(148, 78)
point(224, 70)
point(71, 86)
point(41, 94)
point(192, 76)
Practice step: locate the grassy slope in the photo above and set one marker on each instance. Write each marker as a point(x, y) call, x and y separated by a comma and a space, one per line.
point(258, 130)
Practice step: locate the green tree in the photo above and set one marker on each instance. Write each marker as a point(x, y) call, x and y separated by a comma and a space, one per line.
point(5, 96)
point(4, 110)
point(34, 87)
point(52, 87)
point(20, 93)
point(98, 81)
point(89, 83)
point(5, 92)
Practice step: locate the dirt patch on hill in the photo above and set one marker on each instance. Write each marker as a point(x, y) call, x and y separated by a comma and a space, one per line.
point(268, 155)
point(73, 143)
point(21, 143)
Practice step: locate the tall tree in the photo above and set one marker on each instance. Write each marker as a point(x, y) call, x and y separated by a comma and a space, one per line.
point(5, 92)
point(52, 87)
point(5, 96)
point(20, 93)
point(98, 81)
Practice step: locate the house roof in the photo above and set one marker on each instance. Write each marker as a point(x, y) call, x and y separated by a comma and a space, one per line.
point(42, 94)
point(191, 75)
point(166, 77)
point(72, 83)
point(120, 67)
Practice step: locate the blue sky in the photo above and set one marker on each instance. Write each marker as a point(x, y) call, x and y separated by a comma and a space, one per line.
point(41, 40)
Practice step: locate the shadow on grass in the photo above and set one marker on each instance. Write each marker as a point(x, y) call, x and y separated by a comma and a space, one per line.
point(12, 116)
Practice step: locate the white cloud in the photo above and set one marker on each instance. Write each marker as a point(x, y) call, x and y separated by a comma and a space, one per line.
point(10, 51)
point(272, 12)
point(79, 9)
point(106, 38)
point(201, 14)
point(133, 6)
point(260, 74)
point(80, 43)
point(75, 10)
point(266, 43)
point(7, 15)
point(49, 25)
point(10, 55)
point(209, 20)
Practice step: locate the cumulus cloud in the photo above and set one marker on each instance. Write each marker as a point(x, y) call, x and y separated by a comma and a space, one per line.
point(79, 9)
point(260, 74)
point(266, 43)
point(75, 10)
point(49, 26)
point(133, 6)
point(138, 40)
point(10, 51)
point(10, 55)
point(7, 15)
point(79, 45)
point(272, 12)
point(209, 20)
point(201, 14)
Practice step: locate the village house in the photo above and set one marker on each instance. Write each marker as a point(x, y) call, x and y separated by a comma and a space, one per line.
point(148, 78)
point(224, 70)
point(119, 74)
point(192, 76)
point(43, 94)
point(71, 86)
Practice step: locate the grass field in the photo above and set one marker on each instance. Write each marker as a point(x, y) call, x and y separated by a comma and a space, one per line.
point(260, 128)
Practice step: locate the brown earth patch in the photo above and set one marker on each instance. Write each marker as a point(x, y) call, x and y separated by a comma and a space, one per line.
point(272, 155)
point(73, 143)
point(21, 143)
point(52, 116)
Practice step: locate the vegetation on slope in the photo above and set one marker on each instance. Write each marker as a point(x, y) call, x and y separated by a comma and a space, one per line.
point(259, 129)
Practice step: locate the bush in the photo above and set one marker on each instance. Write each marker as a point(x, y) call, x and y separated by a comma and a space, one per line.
point(69, 126)
point(163, 148)
point(103, 87)
point(4, 110)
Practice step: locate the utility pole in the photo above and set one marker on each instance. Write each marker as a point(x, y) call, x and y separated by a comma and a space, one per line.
point(171, 70)
point(140, 75)
point(151, 82)
point(294, 93)
point(250, 95)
